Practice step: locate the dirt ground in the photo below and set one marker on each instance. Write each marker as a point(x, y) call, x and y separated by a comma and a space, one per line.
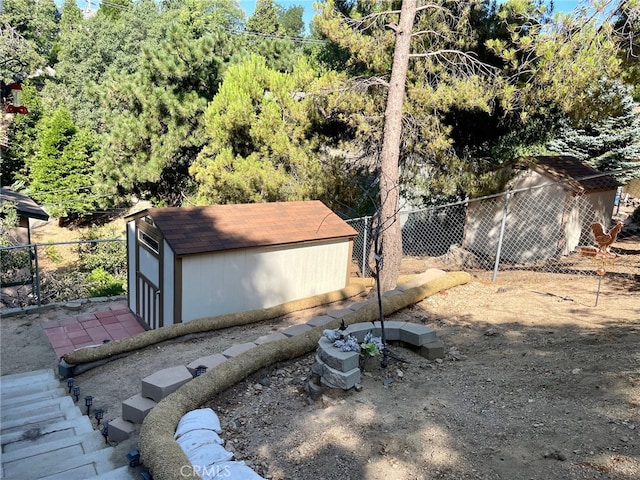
point(537, 383)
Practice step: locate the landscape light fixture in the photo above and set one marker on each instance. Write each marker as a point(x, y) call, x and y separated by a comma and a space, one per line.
point(105, 432)
point(88, 401)
point(99, 414)
point(70, 383)
point(134, 458)
point(201, 370)
point(76, 391)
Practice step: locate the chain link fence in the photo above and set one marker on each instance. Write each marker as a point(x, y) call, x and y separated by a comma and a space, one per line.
point(541, 228)
point(544, 228)
point(38, 274)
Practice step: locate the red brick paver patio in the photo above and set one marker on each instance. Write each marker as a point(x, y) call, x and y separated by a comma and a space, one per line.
point(69, 334)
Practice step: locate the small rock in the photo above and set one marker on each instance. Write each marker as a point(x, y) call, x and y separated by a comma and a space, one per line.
point(490, 332)
point(265, 382)
point(624, 439)
point(576, 371)
point(399, 373)
point(74, 306)
point(358, 387)
point(387, 382)
point(258, 387)
point(439, 360)
point(556, 455)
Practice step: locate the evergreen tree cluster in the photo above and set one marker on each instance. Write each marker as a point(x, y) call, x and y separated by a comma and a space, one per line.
point(188, 101)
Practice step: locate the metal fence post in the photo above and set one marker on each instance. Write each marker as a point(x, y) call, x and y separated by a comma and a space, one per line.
point(37, 285)
point(363, 272)
point(501, 238)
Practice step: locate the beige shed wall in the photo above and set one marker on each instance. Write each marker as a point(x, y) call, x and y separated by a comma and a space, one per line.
point(247, 279)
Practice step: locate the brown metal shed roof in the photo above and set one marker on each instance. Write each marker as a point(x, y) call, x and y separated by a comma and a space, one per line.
point(191, 230)
point(573, 171)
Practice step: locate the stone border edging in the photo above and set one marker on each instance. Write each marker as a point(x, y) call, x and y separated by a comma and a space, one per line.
point(109, 350)
point(160, 452)
point(29, 309)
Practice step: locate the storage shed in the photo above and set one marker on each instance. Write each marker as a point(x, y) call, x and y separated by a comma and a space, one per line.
point(553, 202)
point(193, 262)
point(26, 209)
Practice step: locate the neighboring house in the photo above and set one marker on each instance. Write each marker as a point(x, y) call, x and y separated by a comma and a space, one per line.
point(193, 262)
point(26, 209)
point(541, 222)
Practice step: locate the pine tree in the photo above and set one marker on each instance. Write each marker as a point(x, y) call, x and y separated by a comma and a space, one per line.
point(154, 130)
point(607, 145)
point(60, 173)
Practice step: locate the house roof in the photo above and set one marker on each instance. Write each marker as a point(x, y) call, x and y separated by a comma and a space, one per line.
point(25, 206)
point(191, 230)
point(577, 175)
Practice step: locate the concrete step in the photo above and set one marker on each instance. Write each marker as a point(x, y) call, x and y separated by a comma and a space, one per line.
point(160, 384)
point(13, 390)
point(33, 397)
point(135, 408)
point(88, 442)
point(122, 473)
point(36, 408)
point(120, 429)
point(28, 377)
point(67, 463)
point(40, 419)
point(21, 438)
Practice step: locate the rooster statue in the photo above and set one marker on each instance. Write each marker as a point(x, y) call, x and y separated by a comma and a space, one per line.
point(605, 239)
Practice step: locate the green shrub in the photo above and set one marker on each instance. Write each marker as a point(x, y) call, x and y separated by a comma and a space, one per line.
point(53, 254)
point(103, 284)
point(110, 256)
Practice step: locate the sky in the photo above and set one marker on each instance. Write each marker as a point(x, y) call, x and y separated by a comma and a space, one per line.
point(249, 5)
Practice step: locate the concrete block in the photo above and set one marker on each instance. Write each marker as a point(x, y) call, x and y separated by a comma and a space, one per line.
point(391, 293)
point(235, 350)
point(333, 378)
point(294, 330)
point(65, 370)
point(432, 350)
point(359, 330)
point(319, 321)
point(120, 429)
point(272, 337)
point(209, 361)
point(357, 306)
point(135, 408)
point(339, 313)
point(160, 384)
point(417, 335)
point(335, 358)
point(391, 329)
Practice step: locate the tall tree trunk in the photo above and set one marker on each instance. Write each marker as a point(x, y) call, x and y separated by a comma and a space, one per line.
point(389, 232)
